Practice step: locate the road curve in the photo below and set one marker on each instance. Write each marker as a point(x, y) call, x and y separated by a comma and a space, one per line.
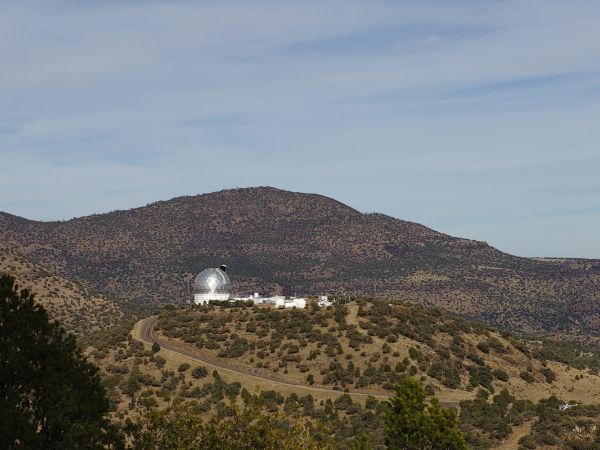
point(146, 327)
point(147, 334)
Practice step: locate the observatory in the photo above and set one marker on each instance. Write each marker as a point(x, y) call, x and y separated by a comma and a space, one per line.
point(212, 284)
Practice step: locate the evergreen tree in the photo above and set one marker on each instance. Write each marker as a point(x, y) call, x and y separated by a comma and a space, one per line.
point(50, 396)
point(413, 424)
point(246, 428)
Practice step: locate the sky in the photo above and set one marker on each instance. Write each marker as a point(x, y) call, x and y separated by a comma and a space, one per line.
point(480, 119)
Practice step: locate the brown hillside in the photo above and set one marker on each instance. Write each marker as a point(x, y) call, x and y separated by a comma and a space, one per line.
point(279, 241)
point(77, 308)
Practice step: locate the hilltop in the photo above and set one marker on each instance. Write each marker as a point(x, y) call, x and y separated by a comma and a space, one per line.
point(285, 242)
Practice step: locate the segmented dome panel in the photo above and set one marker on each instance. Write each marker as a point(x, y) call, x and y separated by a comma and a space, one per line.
point(212, 281)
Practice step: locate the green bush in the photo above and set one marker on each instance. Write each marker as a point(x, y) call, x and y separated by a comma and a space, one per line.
point(548, 374)
point(501, 375)
point(481, 376)
point(200, 372)
point(527, 376)
point(160, 361)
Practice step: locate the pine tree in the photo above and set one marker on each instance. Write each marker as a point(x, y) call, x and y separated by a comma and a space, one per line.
point(413, 424)
point(50, 396)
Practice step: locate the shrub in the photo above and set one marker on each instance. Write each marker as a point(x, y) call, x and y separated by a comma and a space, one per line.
point(183, 367)
point(484, 347)
point(250, 426)
point(549, 375)
point(238, 347)
point(200, 372)
point(481, 376)
point(495, 343)
point(120, 369)
point(476, 358)
point(528, 442)
point(501, 375)
point(527, 376)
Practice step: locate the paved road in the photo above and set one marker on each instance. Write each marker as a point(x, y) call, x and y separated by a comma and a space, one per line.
point(147, 334)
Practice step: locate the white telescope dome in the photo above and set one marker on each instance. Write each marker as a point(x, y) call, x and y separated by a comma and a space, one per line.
point(212, 284)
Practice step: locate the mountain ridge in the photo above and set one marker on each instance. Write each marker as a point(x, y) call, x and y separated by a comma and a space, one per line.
point(278, 241)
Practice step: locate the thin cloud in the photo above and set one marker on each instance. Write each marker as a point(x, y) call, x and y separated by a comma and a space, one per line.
point(431, 111)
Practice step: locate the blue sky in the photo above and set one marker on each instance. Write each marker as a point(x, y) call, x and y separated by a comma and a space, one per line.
point(480, 119)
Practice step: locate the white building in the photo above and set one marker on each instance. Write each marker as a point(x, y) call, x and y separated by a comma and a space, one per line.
point(298, 302)
point(291, 303)
point(212, 284)
point(324, 302)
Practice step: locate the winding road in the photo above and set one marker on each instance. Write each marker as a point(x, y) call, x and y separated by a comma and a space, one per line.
point(146, 333)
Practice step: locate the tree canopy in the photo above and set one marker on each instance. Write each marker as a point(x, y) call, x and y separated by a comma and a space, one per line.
point(233, 428)
point(50, 396)
point(413, 424)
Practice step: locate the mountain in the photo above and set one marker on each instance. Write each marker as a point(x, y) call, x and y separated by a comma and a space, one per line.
point(280, 241)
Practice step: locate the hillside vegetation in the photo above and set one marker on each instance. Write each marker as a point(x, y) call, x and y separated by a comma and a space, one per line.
point(137, 379)
point(79, 309)
point(279, 241)
point(499, 382)
point(369, 345)
point(158, 398)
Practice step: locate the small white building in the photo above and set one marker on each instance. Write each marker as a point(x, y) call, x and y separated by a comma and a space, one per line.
point(299, 303)
point(324, 302)
point(281, 302)
point(565, 406)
